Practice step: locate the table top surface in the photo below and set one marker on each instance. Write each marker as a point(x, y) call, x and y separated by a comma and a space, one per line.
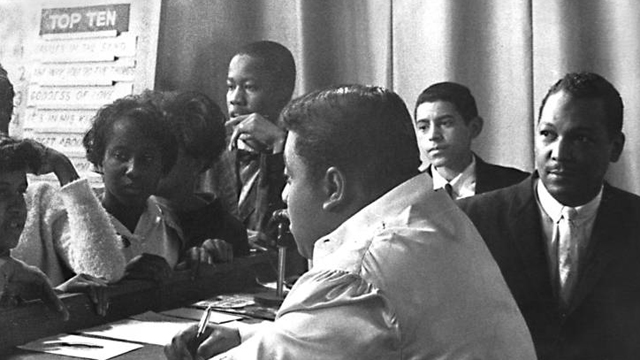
point(128, 300)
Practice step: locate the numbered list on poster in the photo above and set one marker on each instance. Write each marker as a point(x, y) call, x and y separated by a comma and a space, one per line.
point(85, 58)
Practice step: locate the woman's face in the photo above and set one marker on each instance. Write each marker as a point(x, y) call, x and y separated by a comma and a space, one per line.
point(132, 164)
point(13, 210)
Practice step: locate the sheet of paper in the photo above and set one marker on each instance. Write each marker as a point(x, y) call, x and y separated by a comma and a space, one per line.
point(235, 301)
point(158, 329)
point(81, 346)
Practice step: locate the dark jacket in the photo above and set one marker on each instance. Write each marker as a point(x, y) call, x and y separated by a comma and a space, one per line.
point(603, 318)
point(491, 177)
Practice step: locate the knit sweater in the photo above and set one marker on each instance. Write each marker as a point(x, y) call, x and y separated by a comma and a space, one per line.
point(68, 231)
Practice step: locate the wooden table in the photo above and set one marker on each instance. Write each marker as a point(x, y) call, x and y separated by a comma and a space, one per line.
point(34, 320)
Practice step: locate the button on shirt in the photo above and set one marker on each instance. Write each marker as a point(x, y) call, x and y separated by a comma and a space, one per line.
point(407, 277)
point(463, 185)
point(551, 212)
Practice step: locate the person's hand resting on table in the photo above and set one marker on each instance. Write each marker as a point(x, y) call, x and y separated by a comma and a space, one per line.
point(92, 286)
point(19, 282)
point(211, 251)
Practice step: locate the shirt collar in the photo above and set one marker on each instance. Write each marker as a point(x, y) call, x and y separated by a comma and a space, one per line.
point(553, 208)
point(463, 181)
point(369, 219)
point(155, 212)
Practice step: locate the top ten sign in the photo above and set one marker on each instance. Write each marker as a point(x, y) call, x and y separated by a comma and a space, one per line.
point(85, 19)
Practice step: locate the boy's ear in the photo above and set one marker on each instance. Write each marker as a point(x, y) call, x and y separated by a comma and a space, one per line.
point(476, 125)
point(335, 185)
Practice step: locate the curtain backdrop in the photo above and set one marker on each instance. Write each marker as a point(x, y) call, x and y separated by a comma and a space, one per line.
point(507, 52)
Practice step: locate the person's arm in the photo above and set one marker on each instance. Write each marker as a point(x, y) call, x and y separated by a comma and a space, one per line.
point(85, 239)
point(53, 161)
point(270, 186)
point(19, 281)
point(328, 315)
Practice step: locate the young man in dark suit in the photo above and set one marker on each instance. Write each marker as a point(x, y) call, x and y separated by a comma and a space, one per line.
point(568, 243)
point(446, 122)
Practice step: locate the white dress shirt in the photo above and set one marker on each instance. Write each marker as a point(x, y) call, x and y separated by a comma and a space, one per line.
point(463, 185)
point(551, 211)
point(407, 277)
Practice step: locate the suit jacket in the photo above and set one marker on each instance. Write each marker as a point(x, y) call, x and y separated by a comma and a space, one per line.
point(602, 320)
point(491, 177)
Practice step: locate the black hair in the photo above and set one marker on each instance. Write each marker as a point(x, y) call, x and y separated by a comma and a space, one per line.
point(18, 154)
point(277, 60)
point(363, 130)
point(586, 85)
point(6, 92)
point(197, 122)
point(457, 94)
point(148, 118)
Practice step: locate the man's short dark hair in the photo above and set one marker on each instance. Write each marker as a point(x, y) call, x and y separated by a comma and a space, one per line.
point(586, 85)
point(364, 131)
point(17, 154)
point(277, 60)
point(457, 94)
point(198, 124)
point(147, 117)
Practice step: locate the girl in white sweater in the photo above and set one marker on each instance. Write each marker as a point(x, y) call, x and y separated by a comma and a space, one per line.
point(69, 233)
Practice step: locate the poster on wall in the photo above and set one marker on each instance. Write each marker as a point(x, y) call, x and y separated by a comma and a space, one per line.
point(68, 58)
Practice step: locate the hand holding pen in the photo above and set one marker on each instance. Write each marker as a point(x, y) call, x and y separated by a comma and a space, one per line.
point(202, 341)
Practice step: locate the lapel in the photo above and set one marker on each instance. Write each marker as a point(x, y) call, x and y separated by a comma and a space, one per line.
point(481, 174)
point(526, 233)
point(608, 242)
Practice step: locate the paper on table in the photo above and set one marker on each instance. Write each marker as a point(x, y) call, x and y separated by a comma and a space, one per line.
point(228, 301)
point(155, 329)
point(81, 346)
point(195, 314)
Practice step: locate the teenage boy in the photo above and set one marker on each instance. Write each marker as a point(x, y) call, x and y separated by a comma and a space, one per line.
point(260, 83)
point(446, 122)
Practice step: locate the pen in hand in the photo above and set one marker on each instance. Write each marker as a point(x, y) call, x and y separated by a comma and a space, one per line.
point(202, 325)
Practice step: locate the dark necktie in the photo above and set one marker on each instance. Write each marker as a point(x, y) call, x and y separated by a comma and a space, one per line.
point(449, 190)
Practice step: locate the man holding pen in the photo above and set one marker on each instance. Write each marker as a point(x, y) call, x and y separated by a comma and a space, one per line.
point(399, 271)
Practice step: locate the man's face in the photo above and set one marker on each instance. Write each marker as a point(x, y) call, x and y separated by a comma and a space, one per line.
point(304, 199)
point(250, 89)
point(443, 136)
point(13, 210)
point(573, 149)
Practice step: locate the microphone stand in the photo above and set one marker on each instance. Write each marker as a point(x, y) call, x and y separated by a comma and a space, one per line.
point(269, 298)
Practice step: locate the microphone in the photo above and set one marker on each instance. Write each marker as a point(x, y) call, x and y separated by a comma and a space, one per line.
point(283, 240)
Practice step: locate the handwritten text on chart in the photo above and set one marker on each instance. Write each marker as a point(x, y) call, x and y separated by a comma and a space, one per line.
point(85, 19)
point(63, 120)
point(86, 49)
point(81, 97)
point(103, 73)
point(63, 142)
